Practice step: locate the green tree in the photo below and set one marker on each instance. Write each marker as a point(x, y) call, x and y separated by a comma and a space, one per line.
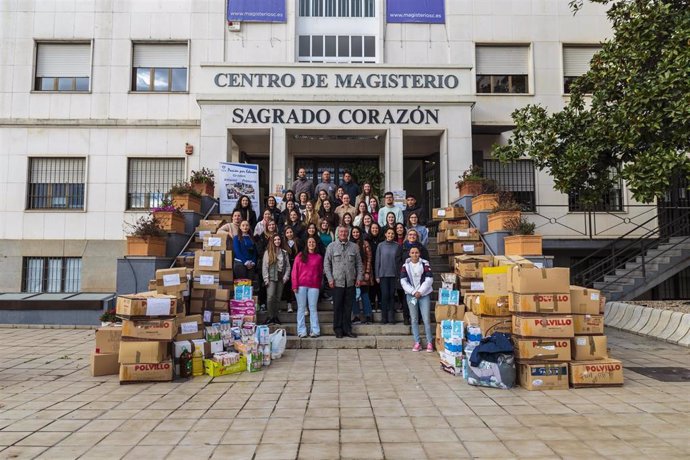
point(628, 117)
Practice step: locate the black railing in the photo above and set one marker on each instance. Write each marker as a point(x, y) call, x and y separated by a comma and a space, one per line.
point(516, 177)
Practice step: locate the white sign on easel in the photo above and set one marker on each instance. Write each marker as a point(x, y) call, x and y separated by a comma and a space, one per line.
point(237, 179)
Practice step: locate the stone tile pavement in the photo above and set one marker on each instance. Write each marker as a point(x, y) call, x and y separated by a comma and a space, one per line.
point(322, 404)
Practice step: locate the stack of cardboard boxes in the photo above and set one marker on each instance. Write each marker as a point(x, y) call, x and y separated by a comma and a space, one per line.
point(591, 365)
point(469, 269)
point(450, 219)
point(104, 359)
point(149, 325)
point(539, 299)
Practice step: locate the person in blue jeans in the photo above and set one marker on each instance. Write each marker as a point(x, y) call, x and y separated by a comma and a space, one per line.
point(357, 237)
point(417, 282)
point(387, 274)
point(306, 281)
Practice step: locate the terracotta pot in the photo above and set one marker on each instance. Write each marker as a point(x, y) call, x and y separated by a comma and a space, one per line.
point(485, 202)
point(523, 245)
point(471, 187)
point(187, 201)
point(498, 220)
point(204, 188)
point(146, 246)
point(171, 222)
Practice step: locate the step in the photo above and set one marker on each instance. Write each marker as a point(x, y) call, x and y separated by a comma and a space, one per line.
point(365, 330)
point(627, 281)
point(636, 273)
point(389, 342)
point(663, 253)
point(324, 317)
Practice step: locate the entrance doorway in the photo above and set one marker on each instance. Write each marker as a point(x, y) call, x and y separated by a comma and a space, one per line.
point(422, 167)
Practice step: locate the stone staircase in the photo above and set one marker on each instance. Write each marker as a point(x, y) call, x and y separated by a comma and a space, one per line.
point(660, 263)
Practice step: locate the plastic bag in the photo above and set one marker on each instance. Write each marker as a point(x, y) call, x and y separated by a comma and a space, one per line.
point(278, 341)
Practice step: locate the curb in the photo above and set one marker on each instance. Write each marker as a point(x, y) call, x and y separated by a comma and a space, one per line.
point(669, 326)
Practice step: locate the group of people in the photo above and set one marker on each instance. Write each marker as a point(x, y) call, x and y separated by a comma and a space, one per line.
point(336, 243)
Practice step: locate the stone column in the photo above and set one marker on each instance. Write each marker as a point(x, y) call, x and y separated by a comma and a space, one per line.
point(394, 159)
point(278, 158)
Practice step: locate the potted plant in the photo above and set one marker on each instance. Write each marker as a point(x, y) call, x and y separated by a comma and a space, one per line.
point(506, 209)
point(108, 318)
point(523, 241)
point(146, 237)
point(203, 181)
point(169, 217)
point(487, 198)
point(184, 196)
point(471, 181)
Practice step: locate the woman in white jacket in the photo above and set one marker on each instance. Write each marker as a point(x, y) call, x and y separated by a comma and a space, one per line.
point(417, 281)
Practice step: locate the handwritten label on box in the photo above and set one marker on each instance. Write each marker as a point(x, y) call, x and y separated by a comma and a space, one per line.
point(206, 261)
point(213, 242)
point(171, 280)
point(189, 328)
point(477, 286)
point(157, 307)
point(468, 248)
point(206, 279)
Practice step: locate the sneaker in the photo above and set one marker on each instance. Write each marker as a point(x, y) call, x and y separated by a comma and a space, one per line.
point(356, 320)
point(368, 320)
point(289, 306)
point(314, 336)
point(262, 307)
point(302, 336)
point(417, 347)
point(429, 348)
point(276, 321)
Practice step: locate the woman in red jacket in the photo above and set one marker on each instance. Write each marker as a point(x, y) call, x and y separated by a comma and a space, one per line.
point(306, 282)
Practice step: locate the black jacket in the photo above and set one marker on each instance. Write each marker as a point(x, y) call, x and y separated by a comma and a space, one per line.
point(404, 252)
point(419, 210)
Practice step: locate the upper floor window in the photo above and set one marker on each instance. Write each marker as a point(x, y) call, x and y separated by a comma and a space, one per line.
point(515, 177)
point(576, 61)
point(149, 179)
point(612, 201)
point(56, 183)
point(502, 69)
point(337, 48)
point(159, 67)
point(63, 67)
point(51, 274)
point(337, 8)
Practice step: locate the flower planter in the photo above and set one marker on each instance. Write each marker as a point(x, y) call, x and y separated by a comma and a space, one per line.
point(485, 202)
point(523, 245)
point(204, 188)
point(498, 220)
point(187, 201)
point(146, 246)
point(171, 222)
point(471, 187)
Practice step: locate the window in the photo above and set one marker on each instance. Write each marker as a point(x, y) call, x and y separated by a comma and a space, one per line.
point(63, 66)
point(337, 48)
point(610, 202)
point(516, 177)
point(51, 274)
point(502, 69)
point(337, 8)
point(159, 67)
point(149, 179)
point(56, 183)
point(576, 61)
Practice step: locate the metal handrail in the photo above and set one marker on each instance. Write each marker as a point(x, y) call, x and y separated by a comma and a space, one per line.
point(191, 237)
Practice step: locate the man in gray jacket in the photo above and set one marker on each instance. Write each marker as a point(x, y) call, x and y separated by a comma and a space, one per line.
point(302, 184)
point(343, 268)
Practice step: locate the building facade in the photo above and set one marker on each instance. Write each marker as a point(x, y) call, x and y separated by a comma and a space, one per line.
point(100, 102)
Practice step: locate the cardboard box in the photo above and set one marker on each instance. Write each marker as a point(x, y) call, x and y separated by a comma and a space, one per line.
point(539, 303)
point(604, 372)
point(447, 213)
point(453, 223)
point(532, 280)
point(146, 372)
point(451, 364)
point(215, 369)
point(206, 280)
point(464, 247)
point(470, 266)
point(171, 281)
point(527, 350)
point(448, 297)
point(442, 312)
point(149, 329)
point(495, 281)
point(487, 305)
point(489, 324)
point(444, 248)
point(146, 304)
point(225, 276)
point(184, 261)
point(551, 326)
point(210, 225)
point(438, 338)
point(584, 301)
point(588, 324)
point(215, 242)
point(441, 237)
point(471, 285)
point(108, 339)
point(143, 352)
point(455, 234)
point(104, 364)
point(190, 327)
point(206, 261)
point(509, 261)
point(589, 347)
point(543, 376)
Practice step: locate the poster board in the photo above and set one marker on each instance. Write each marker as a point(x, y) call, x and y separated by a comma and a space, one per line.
point(237, 179)
point(416, 11)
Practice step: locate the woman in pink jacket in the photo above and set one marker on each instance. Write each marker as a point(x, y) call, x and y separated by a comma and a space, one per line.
point(307, 272)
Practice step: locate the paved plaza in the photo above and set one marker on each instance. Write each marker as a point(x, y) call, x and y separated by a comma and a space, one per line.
point(325, 404)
